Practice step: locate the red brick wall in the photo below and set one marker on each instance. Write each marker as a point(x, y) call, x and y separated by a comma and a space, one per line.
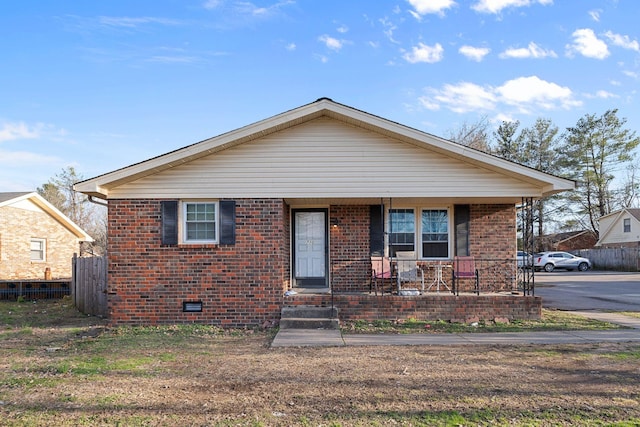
point(239, 284)
point(243, 284)
point(463, 308)
point(349, 248)
point(492, 232)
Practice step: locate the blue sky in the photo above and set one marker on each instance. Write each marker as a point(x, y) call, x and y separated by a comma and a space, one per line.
point(99, 85)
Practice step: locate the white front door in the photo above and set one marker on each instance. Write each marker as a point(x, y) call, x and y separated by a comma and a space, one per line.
point(310, 247)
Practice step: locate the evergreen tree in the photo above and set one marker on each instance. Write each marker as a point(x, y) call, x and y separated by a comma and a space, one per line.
point(593, 150)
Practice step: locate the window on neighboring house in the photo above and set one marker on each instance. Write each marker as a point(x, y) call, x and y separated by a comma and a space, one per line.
point(38, 249)
point(200, 222)
point(435, 233)
point(627, 225)
point(402, 230)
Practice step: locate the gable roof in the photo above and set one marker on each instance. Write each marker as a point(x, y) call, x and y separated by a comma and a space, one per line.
point(635, 212)
point(613, 220)
point(7, 199)
point(102, 185)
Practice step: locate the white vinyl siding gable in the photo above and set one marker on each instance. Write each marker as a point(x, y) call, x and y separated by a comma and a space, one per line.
point(326, 158)
point(612, 229)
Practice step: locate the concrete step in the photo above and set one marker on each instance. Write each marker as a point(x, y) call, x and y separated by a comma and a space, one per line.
point(309, 317)
point(306, 323)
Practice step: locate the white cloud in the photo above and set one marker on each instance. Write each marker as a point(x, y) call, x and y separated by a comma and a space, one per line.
point(19, 130)
point(630, 73)
point(474, 53)
point(128, 22)
point(531, 51)
point(331, 43)
point(623, 41)
point(425, 7)
point(212, 4)
point(290, 47)
point(241, 11)
point(496, 6)
point(25, 158)
point(502, 117)
point(424, 53)
point(389, 28)
point(526, 94)
point(595, 14)
point(586, 43)
point(173, 59)
point(342, 29)
point(602, 94)
point(460, 98)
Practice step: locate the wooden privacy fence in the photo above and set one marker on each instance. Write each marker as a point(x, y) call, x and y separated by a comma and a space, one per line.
point(620, 259)
point(89, 285)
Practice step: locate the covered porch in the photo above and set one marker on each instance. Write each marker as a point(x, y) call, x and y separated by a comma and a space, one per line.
point(357, 233)
point(504, 292)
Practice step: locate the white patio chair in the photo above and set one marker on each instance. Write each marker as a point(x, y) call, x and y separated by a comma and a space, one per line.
point(409, 272)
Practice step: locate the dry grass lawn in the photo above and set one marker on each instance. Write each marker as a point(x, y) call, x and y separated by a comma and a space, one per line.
point(68, 369)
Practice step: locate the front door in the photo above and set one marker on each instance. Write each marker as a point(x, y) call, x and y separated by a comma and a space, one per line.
point(310, 257)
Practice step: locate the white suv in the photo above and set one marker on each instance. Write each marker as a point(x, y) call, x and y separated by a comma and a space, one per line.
point(548, 261)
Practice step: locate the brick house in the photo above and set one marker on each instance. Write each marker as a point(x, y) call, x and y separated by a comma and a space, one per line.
point(567, 241)
point(218, 231)
point(35, 237)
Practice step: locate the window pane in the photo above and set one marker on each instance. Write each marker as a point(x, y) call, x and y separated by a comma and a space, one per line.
point(37, 250)
point(200, 221)
point(402, 230)
point(435, 233)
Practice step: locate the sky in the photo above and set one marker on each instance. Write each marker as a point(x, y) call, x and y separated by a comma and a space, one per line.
point(99, 85)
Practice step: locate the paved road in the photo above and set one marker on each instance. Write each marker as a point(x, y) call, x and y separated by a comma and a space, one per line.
point(589, 290)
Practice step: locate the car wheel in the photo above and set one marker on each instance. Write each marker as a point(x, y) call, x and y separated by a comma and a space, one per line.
point(548, 268)
point(583, 266)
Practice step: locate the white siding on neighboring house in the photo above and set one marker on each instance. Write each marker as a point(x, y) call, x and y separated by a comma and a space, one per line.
point(612, 228)
point(327, 158)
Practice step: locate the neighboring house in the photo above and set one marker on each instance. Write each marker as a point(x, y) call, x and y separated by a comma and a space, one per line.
point(218, 231)
point(36, 237)
point(620, 229)
point(567, 241)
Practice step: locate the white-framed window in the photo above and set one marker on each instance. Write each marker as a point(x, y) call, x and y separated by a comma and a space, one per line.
point(429, 234)
point(402, 230)
point(38, 249)
point(435, 233)
point(626, 227)
point(200, 222)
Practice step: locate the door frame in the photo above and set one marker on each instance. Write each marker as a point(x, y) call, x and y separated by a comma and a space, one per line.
point(310, 282)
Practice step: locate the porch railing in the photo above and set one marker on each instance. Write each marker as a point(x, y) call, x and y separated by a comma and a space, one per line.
point(495, 275)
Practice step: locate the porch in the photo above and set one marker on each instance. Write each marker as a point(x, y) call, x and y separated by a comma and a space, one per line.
point(504, 291)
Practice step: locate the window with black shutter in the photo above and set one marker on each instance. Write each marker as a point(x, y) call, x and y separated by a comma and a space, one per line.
point(376, 230)
point(169, 218)
point(461, 218)
point(227, 222)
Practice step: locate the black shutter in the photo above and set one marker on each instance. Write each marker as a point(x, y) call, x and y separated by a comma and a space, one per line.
point(461, 219)
point(376, 230)
point(227, 222)
point(169, 218)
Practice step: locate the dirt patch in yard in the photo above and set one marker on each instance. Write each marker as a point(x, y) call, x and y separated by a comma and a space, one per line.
point(192, 375)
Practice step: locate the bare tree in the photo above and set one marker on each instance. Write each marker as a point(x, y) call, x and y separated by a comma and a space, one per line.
point(474, 135)
point(88, 216)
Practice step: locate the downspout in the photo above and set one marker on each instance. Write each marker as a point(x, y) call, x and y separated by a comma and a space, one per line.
point(94, 201)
